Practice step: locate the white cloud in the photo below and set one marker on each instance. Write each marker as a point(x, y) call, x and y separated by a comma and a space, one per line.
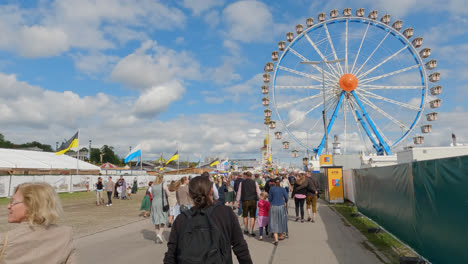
point(158, 98)
point(152, 65)
point(200, 6)
point(94, 63)
point(50, 30)
point(179, 40)
point(248, 21)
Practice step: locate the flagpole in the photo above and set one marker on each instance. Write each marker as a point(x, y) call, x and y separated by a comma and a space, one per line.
point(141, 160)
point(178, 157)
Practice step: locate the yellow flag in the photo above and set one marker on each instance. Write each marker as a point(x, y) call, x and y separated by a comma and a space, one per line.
point(174, 157)
point(71, 143)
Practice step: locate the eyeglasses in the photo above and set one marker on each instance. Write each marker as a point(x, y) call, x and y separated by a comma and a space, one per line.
point(13, 203)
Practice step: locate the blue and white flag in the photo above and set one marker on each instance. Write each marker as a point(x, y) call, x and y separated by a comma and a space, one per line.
point(136, 152)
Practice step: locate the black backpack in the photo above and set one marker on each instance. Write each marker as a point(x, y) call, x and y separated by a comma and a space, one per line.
point(201, 241)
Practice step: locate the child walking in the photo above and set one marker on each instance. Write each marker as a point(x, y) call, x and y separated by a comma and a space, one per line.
point(263, 214)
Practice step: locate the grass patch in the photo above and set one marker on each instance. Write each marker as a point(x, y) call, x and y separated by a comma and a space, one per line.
point(384, 242)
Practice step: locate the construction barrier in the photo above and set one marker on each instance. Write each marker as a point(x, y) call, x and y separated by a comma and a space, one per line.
point(424, 204)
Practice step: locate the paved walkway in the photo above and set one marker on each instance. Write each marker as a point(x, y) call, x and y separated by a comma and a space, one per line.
point(327, 240)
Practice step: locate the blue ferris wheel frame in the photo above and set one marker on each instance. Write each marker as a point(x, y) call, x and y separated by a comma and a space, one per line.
point(381, 146)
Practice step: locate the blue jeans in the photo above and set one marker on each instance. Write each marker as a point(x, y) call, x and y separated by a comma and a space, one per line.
point(239, 210)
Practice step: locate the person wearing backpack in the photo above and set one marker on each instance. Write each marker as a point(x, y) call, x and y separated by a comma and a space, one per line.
point(206, 233)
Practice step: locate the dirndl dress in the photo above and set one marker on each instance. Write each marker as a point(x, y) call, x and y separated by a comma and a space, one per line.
point(278, 219)
point(146, 203)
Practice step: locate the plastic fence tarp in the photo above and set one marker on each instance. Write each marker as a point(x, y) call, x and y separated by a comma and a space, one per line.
point(441, 198)
point(348, 185)
point(424, 204)
point(385, 194)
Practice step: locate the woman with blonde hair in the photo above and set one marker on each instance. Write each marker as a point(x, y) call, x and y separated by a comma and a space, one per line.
point(37, 239)
point(174, 209)
point(159, 206)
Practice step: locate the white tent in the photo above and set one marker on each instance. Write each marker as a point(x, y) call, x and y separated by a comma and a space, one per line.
point(25, 159)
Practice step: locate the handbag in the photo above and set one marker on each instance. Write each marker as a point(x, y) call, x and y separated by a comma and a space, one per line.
point(4, 246)
point(165, 207)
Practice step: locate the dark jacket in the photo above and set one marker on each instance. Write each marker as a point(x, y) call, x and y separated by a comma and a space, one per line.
point(237, 183)
point(300, 188)
point(221, 191)
point(248, 190)
point(312, 186)
point(227, 223)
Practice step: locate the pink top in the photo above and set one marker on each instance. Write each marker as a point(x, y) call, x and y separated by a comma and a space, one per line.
point(263, 208)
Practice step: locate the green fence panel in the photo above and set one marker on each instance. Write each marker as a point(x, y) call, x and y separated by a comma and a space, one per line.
point(385, 195)
point(441, 198)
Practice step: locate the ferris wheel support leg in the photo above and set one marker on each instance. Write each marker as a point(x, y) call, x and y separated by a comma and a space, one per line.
point(369, 134)
point(319, 149)
point(383, 144)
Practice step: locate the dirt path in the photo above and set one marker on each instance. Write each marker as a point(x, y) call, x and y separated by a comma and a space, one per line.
point(86, 218)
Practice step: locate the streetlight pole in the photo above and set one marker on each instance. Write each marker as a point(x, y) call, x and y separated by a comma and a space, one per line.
point(324, 113)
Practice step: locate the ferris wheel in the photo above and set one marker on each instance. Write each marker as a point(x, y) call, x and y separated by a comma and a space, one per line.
point(362, 79)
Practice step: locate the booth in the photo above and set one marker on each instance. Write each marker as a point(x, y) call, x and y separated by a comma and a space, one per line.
point(333, 184)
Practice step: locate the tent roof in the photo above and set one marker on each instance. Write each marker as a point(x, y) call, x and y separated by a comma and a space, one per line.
point(15, 158)
point(108, 165)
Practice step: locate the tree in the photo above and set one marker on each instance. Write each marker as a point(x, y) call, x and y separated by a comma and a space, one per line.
point(109, 155)
point(95, 155)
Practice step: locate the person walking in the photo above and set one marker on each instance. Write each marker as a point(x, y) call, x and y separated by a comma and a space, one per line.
point(174, 208)
point(123, 193)
point(278, 220)
point(313, 188)
point(220, 218)
point(116, 187)
point(99, 192)
point(183, 196)
point(146, 203)
point(135, 186)
point(222, 190)
point(159, 215)
point(263, 214)
point(299, 194)
point(230, 195)
point(109, 189)
point(249, 194)
point(237, 182)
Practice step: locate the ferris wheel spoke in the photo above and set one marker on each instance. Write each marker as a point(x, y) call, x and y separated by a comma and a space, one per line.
point(333, 49)
point(346, 47)
point(302, 116)
point(300, 56)
point(375, 78)
point(313, 87)
point(310, 76)
point(383, 62)
point(369, 103)
point(299, 100)
point(390, 87)
point(370, 56)
point(331, 68)
point(375, 96)
point(360, 46)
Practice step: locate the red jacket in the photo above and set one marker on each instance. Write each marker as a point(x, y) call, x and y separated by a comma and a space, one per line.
point(263, 208)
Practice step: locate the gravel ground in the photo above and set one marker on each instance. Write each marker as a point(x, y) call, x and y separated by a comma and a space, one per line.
point(82, 214)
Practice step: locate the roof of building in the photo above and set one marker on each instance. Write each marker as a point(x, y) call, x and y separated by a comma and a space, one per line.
point(14, 158)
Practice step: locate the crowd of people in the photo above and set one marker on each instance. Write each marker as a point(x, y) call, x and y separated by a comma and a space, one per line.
point(200, 212)
point(261, 201)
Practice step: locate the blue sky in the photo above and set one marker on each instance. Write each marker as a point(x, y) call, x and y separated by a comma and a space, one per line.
point(186, 73)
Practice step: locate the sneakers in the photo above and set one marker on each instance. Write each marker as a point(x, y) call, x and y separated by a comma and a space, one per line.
point(107, 205)
point(159, 239)
point(260, 238)
point(110, 204)
point(309, 219)
point(302, 220)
